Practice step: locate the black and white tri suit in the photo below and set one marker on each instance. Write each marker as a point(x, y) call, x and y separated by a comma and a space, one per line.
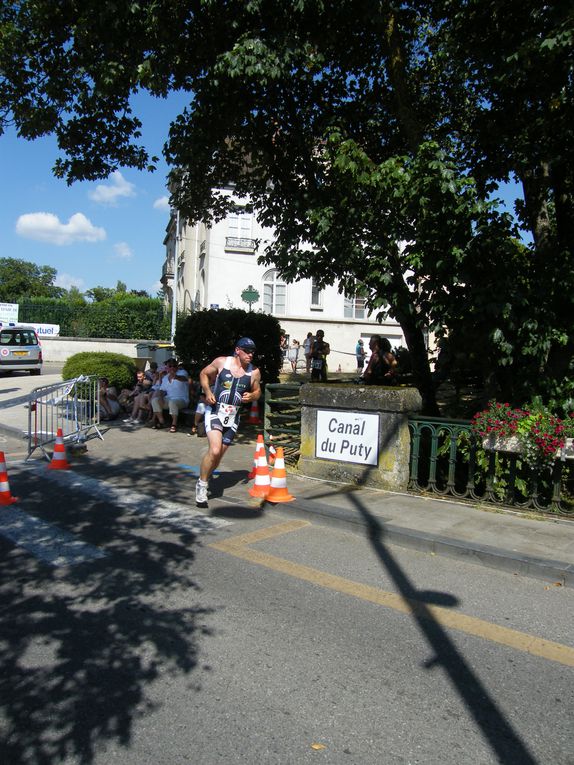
point(228, 391)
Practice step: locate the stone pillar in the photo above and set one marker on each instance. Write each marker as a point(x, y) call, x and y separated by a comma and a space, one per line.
point(357, 434)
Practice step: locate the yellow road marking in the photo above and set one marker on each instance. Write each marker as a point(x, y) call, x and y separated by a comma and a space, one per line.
point(520, 641)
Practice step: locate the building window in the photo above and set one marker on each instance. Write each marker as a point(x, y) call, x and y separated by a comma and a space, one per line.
point(238, 237)
point(354, 307)
point(274, 293)
point(239, 225)
point(316, 295)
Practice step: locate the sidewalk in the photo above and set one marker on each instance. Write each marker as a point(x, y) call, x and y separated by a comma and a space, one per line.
point(521, 545)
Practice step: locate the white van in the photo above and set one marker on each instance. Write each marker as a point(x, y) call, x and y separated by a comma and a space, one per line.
point(20, 349)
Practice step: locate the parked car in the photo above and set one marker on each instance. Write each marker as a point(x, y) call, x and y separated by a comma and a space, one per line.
point(20, 349)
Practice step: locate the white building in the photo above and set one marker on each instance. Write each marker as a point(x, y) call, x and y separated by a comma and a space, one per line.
point(214, 267)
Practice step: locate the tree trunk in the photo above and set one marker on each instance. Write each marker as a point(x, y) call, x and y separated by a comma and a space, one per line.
point(420, 364)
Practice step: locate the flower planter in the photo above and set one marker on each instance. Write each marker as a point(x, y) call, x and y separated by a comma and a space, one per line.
point(567, 452)
point(512, 445)
point(509, 444)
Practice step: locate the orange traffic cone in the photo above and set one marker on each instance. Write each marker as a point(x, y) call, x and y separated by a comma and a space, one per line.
point(5, 497)
point(254, 418)
point(260, 445)
point(272, 452)
point(59, 461)
point(262, 481)
point(278, 488)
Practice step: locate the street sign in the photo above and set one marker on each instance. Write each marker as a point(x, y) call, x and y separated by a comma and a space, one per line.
point(250, 295)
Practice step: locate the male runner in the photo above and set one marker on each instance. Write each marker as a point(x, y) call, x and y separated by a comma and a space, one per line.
point(235, 382)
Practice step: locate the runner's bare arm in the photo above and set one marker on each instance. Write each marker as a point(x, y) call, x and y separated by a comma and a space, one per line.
point(255, 393)
point(207, 377)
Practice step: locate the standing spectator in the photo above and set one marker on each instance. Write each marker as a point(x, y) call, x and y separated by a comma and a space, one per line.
point(320, 350)
point(294, 355)
point(360, 354)
point(283, 344)
point(381, 369)
point(235, 382)
point(173, 394)
point(307, 350)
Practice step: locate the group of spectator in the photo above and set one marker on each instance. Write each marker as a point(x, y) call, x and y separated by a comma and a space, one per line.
point(314, 351)
point(158, 390)
point(380, 368)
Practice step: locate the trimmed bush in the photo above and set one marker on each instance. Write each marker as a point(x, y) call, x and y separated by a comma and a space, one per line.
point(203, 335)
point(119, 369)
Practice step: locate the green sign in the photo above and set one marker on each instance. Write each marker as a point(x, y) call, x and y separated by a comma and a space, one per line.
point(250, 295)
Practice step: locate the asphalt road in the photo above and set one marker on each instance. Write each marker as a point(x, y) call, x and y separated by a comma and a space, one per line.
point(136, 631)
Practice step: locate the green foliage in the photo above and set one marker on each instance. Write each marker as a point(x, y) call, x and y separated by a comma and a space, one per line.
point(119, 369)
point(204, 335)
point(20, 279)
point(352, 127)
point(130, 317)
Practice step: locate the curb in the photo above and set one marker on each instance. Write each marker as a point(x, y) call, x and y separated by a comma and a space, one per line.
point(555, 571)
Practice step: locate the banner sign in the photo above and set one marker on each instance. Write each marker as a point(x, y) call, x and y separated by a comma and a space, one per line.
point(47, 330)
point(347, 437)
point(8, 312)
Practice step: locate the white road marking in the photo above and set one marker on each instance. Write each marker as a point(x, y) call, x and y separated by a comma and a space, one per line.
point(58, 547)
point(174, 514)
point(45, 541)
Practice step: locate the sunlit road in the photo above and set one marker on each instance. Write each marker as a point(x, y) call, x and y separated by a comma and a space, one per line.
point(137, 632)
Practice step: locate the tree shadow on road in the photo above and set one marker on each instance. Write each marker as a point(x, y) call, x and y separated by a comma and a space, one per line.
point(504, 741)
point(81, 647)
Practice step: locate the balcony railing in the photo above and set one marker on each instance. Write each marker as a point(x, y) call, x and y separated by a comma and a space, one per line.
point(237, 244)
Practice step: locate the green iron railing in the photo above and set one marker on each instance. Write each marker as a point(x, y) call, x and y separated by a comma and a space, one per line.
point(447, 460)
point(282, 424)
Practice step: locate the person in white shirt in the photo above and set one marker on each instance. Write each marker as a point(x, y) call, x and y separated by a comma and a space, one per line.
point(173, 394)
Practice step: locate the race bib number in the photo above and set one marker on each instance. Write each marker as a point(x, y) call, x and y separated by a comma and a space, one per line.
point(226, 414)
point(317, 364)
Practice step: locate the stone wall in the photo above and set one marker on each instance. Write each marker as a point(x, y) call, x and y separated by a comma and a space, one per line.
point(357, 434)
point(141, 351)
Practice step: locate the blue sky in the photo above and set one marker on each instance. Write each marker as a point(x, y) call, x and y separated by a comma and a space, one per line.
point(92, 233)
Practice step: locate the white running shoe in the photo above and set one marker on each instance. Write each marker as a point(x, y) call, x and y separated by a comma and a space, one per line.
point(128, 420)
point(201, 493)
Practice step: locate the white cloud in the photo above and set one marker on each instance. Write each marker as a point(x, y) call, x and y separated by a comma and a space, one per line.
point(109, 195)
point(46, 227)
point(161, 204)
point(155, 288)
point(66, 281)
point(123, 251)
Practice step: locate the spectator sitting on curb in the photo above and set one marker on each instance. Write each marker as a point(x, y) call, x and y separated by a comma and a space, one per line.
point(128, 395)
point(173, 394)
point(109, 404)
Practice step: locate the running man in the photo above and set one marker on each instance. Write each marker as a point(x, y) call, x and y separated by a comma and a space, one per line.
point(235, 382)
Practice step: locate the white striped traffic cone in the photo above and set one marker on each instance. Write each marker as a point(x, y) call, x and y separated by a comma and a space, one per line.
point(59, 460)
point(5, 497)
point(272, 452)
point(278, 488)
point(254, 418)
point(262, 481)
point(260, 445)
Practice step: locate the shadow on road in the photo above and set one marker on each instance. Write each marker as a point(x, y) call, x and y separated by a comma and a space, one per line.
point(81, 647)
point(506, 744)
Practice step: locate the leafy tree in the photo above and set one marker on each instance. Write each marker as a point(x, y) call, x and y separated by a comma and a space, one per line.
point(99, 294)
point(370, 137)
point(19, 279)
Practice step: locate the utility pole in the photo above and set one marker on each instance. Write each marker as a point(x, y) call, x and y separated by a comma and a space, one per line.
point(175, 273)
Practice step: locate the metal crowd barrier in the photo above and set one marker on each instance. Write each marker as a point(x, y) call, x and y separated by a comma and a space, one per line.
point(71, 405)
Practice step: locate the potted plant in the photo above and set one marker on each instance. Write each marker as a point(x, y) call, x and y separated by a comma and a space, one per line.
point(497, 427)
point(535, 432)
